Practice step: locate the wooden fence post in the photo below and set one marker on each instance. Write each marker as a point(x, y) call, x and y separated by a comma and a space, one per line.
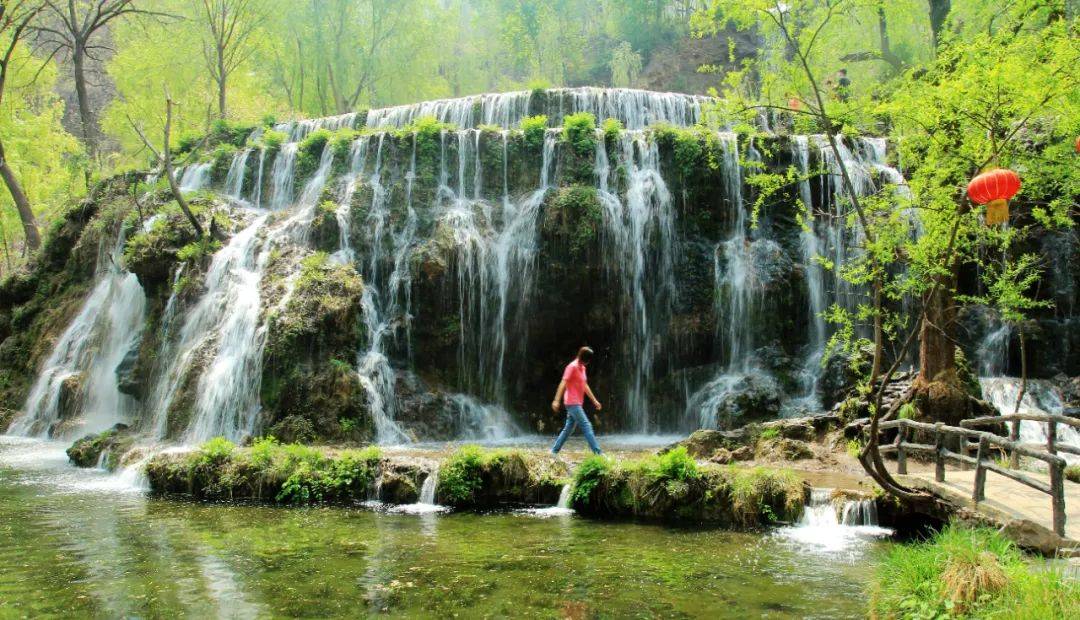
point(1057, 496)
point(901, 453)
point(1014, 436)
point(939, 453)
point(1051, 436)
point(980, 472)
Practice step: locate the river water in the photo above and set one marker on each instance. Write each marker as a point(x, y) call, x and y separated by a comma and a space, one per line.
point(82, 543)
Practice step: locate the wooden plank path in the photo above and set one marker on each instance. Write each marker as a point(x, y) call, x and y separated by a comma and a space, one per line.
point(1006, 500)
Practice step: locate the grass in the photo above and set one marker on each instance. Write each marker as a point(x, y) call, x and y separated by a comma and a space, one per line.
point(474, 476)
point(968, 573)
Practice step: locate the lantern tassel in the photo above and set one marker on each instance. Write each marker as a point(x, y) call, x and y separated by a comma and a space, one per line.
point(997, 212)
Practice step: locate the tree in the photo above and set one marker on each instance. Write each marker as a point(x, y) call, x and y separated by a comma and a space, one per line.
point(625, 65)
point(76, 28)
point(16, 18)
point(229, 25)
point(164, 158)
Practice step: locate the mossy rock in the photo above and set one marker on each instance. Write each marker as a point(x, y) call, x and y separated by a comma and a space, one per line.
point(573, 217)
point(113, 443)
point(474, 477)
point(783, 449)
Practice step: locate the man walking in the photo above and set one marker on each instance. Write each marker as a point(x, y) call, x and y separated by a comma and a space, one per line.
point(572, 391)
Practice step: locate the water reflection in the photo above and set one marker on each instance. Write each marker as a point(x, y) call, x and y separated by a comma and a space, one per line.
point(73, 548)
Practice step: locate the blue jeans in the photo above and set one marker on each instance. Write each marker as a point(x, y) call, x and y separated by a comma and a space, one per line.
point(575, 416)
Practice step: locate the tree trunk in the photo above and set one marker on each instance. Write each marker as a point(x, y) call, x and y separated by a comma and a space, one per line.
point(937, 353)
point(939, 11)
point(86, 115)
point(22, 203)
point(222, 78)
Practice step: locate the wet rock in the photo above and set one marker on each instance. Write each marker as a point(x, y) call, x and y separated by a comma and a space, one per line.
point(128, 378)
point(1034, 537)
point(722, 456)
point(400, 482)
point(113, 444)
point(732, 401)
point(743, 453)
point(70, 396)
point(7, 416)
point(705, 443)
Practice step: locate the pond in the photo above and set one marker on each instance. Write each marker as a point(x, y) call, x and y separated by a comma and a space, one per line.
point(85, 543)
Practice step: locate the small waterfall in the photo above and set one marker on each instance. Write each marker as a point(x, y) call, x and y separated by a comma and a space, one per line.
point(85, 362)
point(819, 528)
point(479, 421)
point(859, 512)
point(811, 246)
point(358, 159)
point(639, 242)
point(234, 180)
point(564, 498)
point(427, 490)
point(195, 177)
point(257, 199)
point(298, 130)
point(1040, 397)
point(283, 177)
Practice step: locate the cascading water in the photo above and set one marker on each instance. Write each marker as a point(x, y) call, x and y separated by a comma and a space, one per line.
point(195, 177)
point(80, 375)
point(810, 244)
point(820, 529)
point(234, 180)
point(639, 242)
point(1041, 397)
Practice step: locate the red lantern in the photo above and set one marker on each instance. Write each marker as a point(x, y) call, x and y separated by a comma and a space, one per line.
point(994, 188)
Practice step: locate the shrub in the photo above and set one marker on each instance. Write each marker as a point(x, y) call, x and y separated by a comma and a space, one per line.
point(216, 450)
point(612, 128)
point(534, 128)
point(579, 130)
point(769, 433)
point(1072, 472)
point(589, 475)
point(198, 250)
point(964, 572)
point(272, 140)
point(854, 448)
point(224, 132)
point(677, 464)
point(460, 475)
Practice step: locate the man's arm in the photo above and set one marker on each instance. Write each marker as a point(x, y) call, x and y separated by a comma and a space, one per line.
point(558, 396)
point(588, 392)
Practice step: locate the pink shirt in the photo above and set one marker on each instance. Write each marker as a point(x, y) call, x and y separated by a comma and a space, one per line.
point(575, 379)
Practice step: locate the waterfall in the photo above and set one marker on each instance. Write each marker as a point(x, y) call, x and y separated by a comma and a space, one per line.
point(564, 498)
point(234, 180)
point(385, 300)
point(427, 491)
point(639, 241)
point(735, 283)
point(859, 512)
point(257, 200)
point(282, 177)
point(819, 528)
point(1041, 397)
point(195, 177)
point(85, 361)
point(810, 244)
point(636, 109)
point(357, 161)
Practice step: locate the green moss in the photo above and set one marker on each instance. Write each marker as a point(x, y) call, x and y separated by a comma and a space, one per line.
point(574, 215)
point(1072, 473)
point(113, 443)
point(534, 128)
point(272, 140)
point(197, 251)
point(309, 151)
point(268, 470)
point(969, 573)
point(341, 142)
point(477, 477)
point(673, 487)
point(222, 158)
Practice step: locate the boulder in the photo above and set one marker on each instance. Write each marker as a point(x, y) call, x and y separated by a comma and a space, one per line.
point(70, 396)
point(781, 449)
point(730, 401)
point(113, 444)
point(703, 444)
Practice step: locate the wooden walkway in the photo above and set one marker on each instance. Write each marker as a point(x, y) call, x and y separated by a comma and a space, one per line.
point(1006, 500)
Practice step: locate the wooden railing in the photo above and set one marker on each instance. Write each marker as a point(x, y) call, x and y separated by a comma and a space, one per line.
point(983, 443)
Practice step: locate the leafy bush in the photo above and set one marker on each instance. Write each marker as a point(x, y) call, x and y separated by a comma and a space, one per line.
point(224, 132)
point(272, 140)
point(579, 130)
point(460, 476)
point(310, 151)
point(341, 142)
point(590, 473)
point(677, 464)
point(216, 450)
point(969, 573)
point(198, 250)
point(1072, 472)
point(769, 433)
point(853, 448)
point(534, 128)
point(612, 128)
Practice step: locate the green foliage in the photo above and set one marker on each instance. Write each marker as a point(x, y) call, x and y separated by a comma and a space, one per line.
point(216, 450)
point(969, 573)
point(310, 151)
point(574, 214)
point(908, 411)
point(534, 128)
point(326, 479)
point(225, 132)
point(589, 475)
point(677, 464)
point(579, 131)
point(272, 140)
point(853, 447)
point(612, 128)
point(769, 433)
point(196, 251)
point(460, 476)
point(1072, 473)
